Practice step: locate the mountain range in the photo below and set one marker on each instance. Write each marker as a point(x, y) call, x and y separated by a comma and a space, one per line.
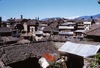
point(84, 17)
point(44, 19)
point(89, 17)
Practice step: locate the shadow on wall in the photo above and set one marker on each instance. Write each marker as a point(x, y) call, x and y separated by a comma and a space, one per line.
point(74, 61)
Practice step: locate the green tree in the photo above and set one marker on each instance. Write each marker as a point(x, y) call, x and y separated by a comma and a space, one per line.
point(96, 62)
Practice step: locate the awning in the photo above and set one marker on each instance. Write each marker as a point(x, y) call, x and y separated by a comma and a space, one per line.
point(84, 50)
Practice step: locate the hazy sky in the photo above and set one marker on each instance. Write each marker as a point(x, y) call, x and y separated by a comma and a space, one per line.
point(48, 8)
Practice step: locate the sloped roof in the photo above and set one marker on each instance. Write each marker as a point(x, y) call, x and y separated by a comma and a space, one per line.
point(17, 53)
point(44, 22)
point(50, 29)
point(55, 30)
point(10, 20)
point(84, 50)
point(18, 20)
point(5, 29)
point(14, 20)
point(9, 39)
point(23, 41)
point(55, 38)
point(54, 24)
point(44, 39)
point(31, 22)
point(47, 28)
point(94, 30)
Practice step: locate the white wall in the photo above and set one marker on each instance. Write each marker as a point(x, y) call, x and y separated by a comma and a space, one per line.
point(25, 26)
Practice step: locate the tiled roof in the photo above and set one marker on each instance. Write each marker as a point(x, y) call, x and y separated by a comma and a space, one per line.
point(5, 29)
point(94, 30)
point(21, 52)
point(14, 20)
point(18, 20)
point(31, 22)
point(55, 38)
point(47, 28)
point(54, 24)
point(9, 39)
point(50, 29)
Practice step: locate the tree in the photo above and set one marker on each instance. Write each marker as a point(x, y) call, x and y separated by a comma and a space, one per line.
point(96, 62)
point(92, 22)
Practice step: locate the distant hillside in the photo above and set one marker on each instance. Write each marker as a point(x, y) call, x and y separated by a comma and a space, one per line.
point(85, 17)
point(45, 19)
point(89, 17)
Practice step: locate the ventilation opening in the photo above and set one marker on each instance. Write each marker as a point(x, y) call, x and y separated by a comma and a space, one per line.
point(28, 63)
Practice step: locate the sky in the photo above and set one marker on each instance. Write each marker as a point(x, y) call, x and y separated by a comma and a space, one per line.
point(48, 8)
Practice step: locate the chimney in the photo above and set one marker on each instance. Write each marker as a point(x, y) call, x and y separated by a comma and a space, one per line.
point(0, 21)
point(21, 16)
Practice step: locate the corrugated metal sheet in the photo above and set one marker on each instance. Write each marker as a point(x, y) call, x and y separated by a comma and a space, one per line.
point(84, 50)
